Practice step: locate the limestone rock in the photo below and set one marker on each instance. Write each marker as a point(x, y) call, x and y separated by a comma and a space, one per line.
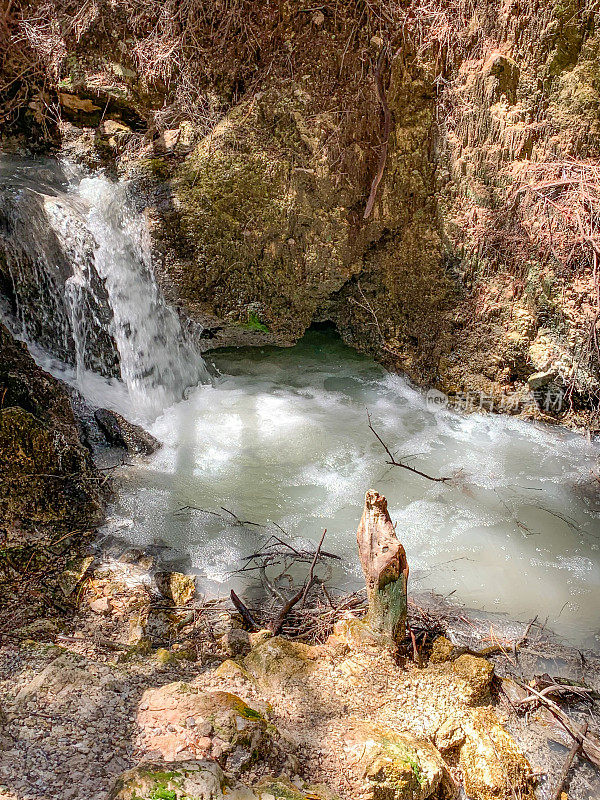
point(176, 586)
point(232, 671)
point(356, 634)
point(385, 568)
point(201, 780)
point(501, 75)
point(79, 104)
point(278, 662)
point(538, 380)
point(122, 433)
point(65, 674)
point(47, 474)
point(441, 651)
point(101, 605)
point(204, 780)
point(178, 721)
point(449, 735)
point(477, 673)
point(74, 574)
point(397, 766)
point(112, 127)
point(492, 764)
point(258, 637)
point(282, 789)
point(236, 642)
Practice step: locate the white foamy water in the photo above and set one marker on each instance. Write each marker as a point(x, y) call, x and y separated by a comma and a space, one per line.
point(281, 437)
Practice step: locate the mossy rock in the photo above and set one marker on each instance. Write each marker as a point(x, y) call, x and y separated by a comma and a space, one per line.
point(231, 670)
point(277, 662)
point(189, 780)
point(44, 472)
point(282, 789)
point(396, 766)
point(477, 675)
point(204, 780)
point(493, 767)
point(181, 719)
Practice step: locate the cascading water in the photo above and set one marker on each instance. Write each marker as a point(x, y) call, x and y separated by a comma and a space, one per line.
point(78, 272)
point(156, 357)
point(281, 437)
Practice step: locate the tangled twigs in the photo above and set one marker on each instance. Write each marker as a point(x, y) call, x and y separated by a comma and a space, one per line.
point(302, 594)
point(589, 747)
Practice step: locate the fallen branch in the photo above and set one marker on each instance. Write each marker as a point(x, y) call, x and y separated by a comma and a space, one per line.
point(246, 615)
point(589, 748)
point(577, 745)
point(579, 691)
point(392, 461)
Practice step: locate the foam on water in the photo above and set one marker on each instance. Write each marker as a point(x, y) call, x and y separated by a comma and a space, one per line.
point(281, 437)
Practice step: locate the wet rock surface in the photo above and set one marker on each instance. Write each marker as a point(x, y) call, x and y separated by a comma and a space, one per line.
point(48, 475)
point(120, 432)
point(176, 586)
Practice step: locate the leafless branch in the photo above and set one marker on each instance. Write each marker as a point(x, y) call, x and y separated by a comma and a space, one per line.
point(395, 463)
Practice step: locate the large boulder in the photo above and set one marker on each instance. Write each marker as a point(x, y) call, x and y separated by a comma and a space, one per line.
point(65, 674)
point(201, 780)
point(179, 720)
point(492, 764)
point(204, 780)
point(260, 230)
point(277, 662)
point(396, 766)
point(48, 478)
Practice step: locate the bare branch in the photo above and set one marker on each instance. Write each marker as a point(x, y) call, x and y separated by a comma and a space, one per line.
point(394, 463)
point(247, 616)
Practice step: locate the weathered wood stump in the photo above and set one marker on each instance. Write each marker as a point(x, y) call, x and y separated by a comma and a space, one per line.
point(385, 568)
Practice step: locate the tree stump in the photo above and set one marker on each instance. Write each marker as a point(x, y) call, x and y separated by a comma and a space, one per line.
point(384, 564)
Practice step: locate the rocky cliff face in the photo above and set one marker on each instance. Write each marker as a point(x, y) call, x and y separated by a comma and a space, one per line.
point(49, 483)
point(255, 138)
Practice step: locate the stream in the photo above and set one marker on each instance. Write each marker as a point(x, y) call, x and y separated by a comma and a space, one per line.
point(279, 437)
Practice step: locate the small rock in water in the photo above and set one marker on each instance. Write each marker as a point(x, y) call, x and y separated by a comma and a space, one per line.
point(176, 586)
point(122, 433)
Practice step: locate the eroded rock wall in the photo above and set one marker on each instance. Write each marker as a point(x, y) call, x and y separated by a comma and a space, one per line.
point(49, 484)
point(253, 143)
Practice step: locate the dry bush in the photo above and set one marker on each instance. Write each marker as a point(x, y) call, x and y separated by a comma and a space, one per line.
point(181, 48)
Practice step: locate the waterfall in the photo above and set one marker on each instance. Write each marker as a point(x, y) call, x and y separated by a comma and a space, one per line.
point(75, 265)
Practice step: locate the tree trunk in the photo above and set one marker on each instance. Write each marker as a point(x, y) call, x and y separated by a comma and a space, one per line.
point(385, 567)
